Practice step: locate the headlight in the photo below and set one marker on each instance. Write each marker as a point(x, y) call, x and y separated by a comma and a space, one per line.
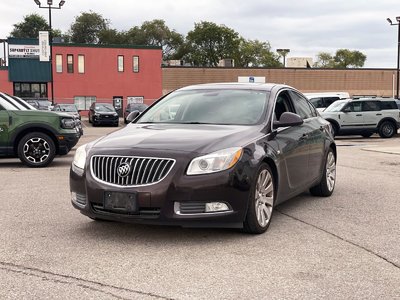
point(80, 157)
point(97, 115)
point(215, 162)
point(67, 123)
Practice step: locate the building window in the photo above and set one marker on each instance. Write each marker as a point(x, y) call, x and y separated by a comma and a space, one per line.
point(59, 66)
point(81, 63)
point(30, 90)
point(84, 102)
point(135, 64)
point(70, 63)
point(120, 63)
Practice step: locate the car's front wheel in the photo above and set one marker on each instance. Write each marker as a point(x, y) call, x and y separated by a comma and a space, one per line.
point(261, 202)
point(387, 129)
point(327, 184)
point(36, 149)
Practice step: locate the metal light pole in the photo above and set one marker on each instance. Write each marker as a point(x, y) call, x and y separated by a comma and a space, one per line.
point(398, 51)
point(50, 7)
point(283, 53)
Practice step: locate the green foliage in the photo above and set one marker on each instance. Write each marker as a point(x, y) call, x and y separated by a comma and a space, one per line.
point(87, 28)
point(254, 53)
point(344, 58)
point(209, 43)
point(30, 27)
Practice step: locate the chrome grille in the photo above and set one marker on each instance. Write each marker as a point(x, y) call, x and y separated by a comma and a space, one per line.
point(143, 170)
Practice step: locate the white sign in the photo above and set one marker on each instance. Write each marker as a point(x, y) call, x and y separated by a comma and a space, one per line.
point(44, 47)
point(23, 51)
point(135, 99)
point(251, 79)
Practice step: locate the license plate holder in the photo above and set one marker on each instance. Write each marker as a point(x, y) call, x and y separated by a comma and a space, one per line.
point(120, 202)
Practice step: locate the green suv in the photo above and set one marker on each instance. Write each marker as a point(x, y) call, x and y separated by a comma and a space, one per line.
point(34, 136)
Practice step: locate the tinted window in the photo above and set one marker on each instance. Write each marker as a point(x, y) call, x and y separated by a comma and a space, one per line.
point(388, 105)
point(329, 100)
point(301, 106)
point(317, 102)
point(371, 106)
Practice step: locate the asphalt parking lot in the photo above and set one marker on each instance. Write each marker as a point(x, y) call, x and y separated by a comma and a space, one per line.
point(343, 247)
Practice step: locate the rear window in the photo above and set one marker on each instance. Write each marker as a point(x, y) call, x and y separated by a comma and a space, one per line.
point(388, 105)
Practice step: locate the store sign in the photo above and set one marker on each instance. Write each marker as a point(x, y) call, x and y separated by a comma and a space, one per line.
point(23, 51)
point(44, 47)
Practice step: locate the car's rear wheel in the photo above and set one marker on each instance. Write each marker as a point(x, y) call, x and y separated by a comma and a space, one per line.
point(327, 184)
point(387, 129)
point(261, 202)
point(36, 149)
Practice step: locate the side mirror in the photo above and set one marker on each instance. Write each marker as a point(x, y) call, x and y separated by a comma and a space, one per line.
point(347, 110)
point(132, 116)
point(288, 119)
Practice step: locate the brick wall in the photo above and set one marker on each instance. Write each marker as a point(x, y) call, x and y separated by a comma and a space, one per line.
point(354, 81)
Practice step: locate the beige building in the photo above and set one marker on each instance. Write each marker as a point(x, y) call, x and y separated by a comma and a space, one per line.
point(379, 82)
point(299, 62)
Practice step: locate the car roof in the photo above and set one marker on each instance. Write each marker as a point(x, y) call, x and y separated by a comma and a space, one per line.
point(233, 85)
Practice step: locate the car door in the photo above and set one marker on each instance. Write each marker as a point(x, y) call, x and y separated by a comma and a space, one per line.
point(314, 134)
point(351, 116)
point(293, 145)
point(4, 131)
point(371, 113)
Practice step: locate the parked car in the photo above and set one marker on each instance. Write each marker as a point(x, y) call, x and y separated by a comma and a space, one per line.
point(71, 110)
point(229, 154)
point(34, 136)
point(364, 116)
point(41, 104)
point(103, 113)
point(140, 107)
point(323, 100)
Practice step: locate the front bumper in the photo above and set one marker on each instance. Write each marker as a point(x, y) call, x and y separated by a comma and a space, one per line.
point(177, 200)
point(67, 141)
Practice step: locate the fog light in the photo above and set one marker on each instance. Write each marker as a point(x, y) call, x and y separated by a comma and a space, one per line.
point(73, 197)
point(216, 206)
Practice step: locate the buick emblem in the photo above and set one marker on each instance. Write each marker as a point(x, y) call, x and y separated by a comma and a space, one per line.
point(124, 169)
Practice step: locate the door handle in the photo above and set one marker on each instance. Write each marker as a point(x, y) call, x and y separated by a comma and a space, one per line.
point(379, 114)
point(358, 115)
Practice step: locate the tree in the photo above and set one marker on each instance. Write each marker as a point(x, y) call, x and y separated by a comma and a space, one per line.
point(30, 27)
point(344, 58)
point(87, 28)
point(255, 54)
point(156, 33)
point(208, 43)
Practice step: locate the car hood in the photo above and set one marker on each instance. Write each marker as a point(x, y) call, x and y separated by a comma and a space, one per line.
point(40, 113)
point(180, 137)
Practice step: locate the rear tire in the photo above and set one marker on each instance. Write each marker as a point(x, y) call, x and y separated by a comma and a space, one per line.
point(327, 184)
point(36, 150)
point(261, 201)
point(387, 129)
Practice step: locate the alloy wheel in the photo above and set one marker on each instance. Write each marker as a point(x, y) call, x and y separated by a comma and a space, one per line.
point(264, 198)
point(36, 150)
point(330, 171)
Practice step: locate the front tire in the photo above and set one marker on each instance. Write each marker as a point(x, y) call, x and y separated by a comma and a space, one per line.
point(387, 130)
point(327, 184)
point(261, 202)
point(36, 150)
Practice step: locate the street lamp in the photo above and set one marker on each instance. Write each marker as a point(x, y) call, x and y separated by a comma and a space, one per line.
point(398, 51)
point(283, 53)
point(50, 7)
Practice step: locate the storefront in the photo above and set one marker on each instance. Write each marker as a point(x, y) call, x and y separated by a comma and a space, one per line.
point(83, 74)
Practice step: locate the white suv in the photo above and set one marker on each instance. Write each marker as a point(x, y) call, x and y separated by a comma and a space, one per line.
point(364, 117)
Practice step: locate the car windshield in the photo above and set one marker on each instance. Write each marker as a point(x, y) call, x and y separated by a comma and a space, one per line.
point(104, 108)
point(68, 108)
point(234, 106)
point(336, 106)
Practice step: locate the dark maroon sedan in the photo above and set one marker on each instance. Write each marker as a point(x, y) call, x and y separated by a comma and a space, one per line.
point(214, 155)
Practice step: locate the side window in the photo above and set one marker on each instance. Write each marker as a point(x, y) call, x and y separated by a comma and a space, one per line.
point(283, 104)
point(354, 106)
point(371, 106)
point(388, 105)
point(301, 106)
point(317, 102)
point(329, 100)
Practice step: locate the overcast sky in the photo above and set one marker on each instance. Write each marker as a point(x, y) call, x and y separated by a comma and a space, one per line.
point(306, 27)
